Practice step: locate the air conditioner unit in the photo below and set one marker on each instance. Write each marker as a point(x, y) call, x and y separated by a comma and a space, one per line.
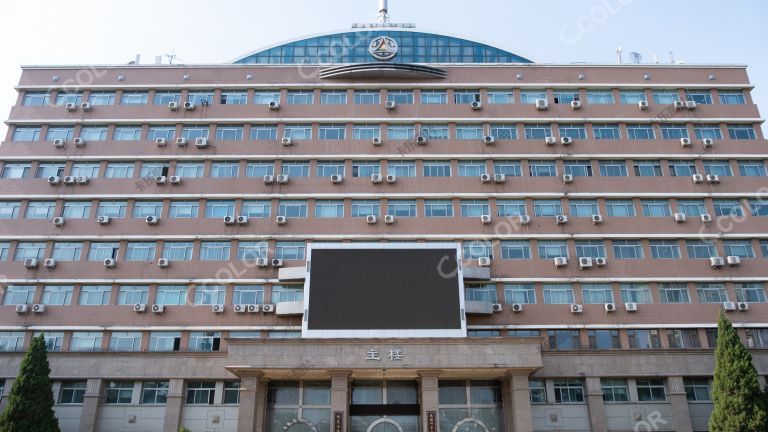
point(286, 141)
point(49, 263)
point(274, 105)
point(22, 309)
point(152, 220)
point(567, 178)
point(733, 260)
point(371, 219)
point(716, 262)
point(240, 308)
point(229, 220)
point(517, 307)
point(497, 307)
point(54, 180)
point(78, 142)
point(281, 220)
point(585, 263)
point(485, 178)
point(139, 308)
point(566, 140)
point(181, 141)
point(269, 179)
point(550, 140)
point(158, 308)
point(175, 180)
point(600, 261)
point(201, 142)
point(85, 106)
point(376, 141)
point(160, 179)
point(282, 179)
point(109, 263)
point(253, 308)
point(421, 140)
point(499, 178)
point(713, 178)
point(389, 219)
point(268, 308)
point(484, 262)
point(485, 219)
point(376, 178)
point(336, 179)
point(685, 142)
point(691, 105)
point(189, 106)
point(390, 105)
point(262, 262)
point(678, 105)
point(525, 219)
point(643, 105)
point(680, 217)
point(103, 220)
point(217, 308)
point(489, 139)
point(630, 307)
point(476, 105)
point(742, 306)
point(707, 142)
point(242, 220)
point(69, 180)
point(58, 221)
point(597, 219)
point(561, 219)
point(391, 179)
point(561, 261)
point(697, 178)
point(729, 306)
point(71, 107)
point(575, 104)
point(173, 106)
point(83, 180)
point(542, 104)
point(706, 218)
point(610, 307)
point(38, 308)
point(277, 262)
point(577, 308)
point(161, 142)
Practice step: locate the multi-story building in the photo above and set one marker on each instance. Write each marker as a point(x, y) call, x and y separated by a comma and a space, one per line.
point(604, 215)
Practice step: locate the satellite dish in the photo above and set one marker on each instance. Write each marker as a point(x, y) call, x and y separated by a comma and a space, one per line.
point(636, 57)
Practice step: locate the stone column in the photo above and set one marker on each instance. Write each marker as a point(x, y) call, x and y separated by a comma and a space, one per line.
point(93, 388)
point(679, 402)
point(340, 396)
point(429, 399)
point(247, 409)
point(597, 419)
point(517, 403)
point(173, 405)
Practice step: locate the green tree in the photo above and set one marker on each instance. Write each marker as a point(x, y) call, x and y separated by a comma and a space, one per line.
point(739, 403)
point(30, 404)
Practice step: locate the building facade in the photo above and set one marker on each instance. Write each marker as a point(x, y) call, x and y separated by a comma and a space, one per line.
point(155, 221)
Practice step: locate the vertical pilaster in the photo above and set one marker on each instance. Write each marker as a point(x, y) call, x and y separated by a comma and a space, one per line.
point(517, 403)
point(173, 405)
point(340, 395)
point(429, 399)
point(249, 398)
point(676, 393)
point(90, 410)
point(597, 419)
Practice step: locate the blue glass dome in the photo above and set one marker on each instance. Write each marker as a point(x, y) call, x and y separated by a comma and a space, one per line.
point(352, 47)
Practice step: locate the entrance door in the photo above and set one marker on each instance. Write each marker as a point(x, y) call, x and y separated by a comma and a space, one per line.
point(384, 406)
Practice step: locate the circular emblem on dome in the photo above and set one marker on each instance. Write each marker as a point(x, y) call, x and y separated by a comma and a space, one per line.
point(383, 48)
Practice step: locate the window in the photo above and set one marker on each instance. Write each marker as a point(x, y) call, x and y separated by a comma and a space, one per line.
point(614, 390)
point(635, 293)
point(613, 168)
point(287, 293)
point(16, 170)
point(264, 97)
point(119, 170)
point(530, 96)
point(469, 132)
point(166, 132)
point(189, 169)
point(204, 341)
point(563, 339)
point(476, 249)
point(9, 209)
point(329, 168)
point(600, 97)
point(711, 132)
point(256, 208)
point(171, 295)
point(597, 293)
point(153, 169)
point(542, 168)
point(471, 168)
point(93, 133)
point(604, 339)
point(590, 248)
point(764, 248)
point(721, 168)
point(292, 208)
point(26, 250)
point(154, 392)
point(11, 341)
point(483, 293)
point(665, 249)
point(127, 133)
point(295, 168)
point(758, 207)
point(367, 97)
point(583, 207)
point(549, 249)
point(692, 208)
point(752, 168)
point(606, 131)
point(142, 209)
point(4, 247)
point(219, 208)
point(700, 249)
point(507, 208)
point(665, 97)
point(401, 97)
point(401, 208)
point(263, 132)
point(538, 391)
point(177, 251)
point(683, 338)
point(466, 97)
point(332, 132)
point(251, 250)
point(118, 392)
point(67, 251)
point(578, 168)
point(682, 168)
point(620, 208)
point(130, 295)
point(474, 208)
point(94, 295)
point(640, 132)
point(214, 250)
point(57, 295)
point(366, 131)
point(741, 132)
point(17, 294)
point(365, 168)
point(401, 168)
point(568, 391)
point(26, 134)
point(757, 337)
point(400, 132)
point(48, 169)
point(699, 96)
point(259, 169)
point(193, 132)
point(696, 389)
point(437, 169)
point(674, 293)
point(673, 131)
point(202, 97)
point(329, 208)
point(125, 341)
point(644, 339)
point(650, 390)
point(711, 293)
point(656, 208)
point(628, 249)
point(438, 208)
point(85, 341)
point(431, 97)
point(740, 248)
point(200, 392)
point(537, 131)
point(575, 131)
point(750, 292)
point(99, 251)
point(220, 169)
point(72, 393)
point(234, 97)
point(558, 293)
point(731, 97)
point(515, 249)
point(501, 97)
point(229, 133)
point(65, 98)
point(631, 97)
point(565, 97)
point(290, 250)
point(81, 169)
point(112, 209)
point(248, 294)
point(363, 208)
point(101, 98)
point(36, 98)
point(231, 393)
point(727, 207)
point(183, 209)
point(519, 293)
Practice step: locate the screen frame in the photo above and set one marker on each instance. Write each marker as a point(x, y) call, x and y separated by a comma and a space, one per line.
point(393, 333)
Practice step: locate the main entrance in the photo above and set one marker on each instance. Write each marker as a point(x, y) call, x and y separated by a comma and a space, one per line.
point(384, 406)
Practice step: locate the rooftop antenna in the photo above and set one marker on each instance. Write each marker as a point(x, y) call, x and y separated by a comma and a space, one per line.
point(383, 12)
point(618, 54)
point(636, 57)
point(671, 57)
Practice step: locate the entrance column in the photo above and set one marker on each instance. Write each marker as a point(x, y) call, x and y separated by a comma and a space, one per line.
point(90, 405)
point(597, 419)
point(679, 403)
point(173, 404)
point(340, 399)
point(517, 403)
point(429, 400)
point(248, 408)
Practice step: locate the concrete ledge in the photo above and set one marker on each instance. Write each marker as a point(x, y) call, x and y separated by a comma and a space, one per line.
point(476, 273)
point(292, 273)
point(478, 307)
point(289, 308)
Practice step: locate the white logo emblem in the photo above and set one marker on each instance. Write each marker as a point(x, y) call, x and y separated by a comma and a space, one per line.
point(383, 48)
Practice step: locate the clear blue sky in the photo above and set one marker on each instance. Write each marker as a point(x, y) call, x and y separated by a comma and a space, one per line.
point(198, 31)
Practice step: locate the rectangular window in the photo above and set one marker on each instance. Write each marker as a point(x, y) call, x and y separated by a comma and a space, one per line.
point(127, 133)
point(466, 97)
point(597, 293)
point(101, 98)
point(699, 96)
point(125, 341)
point(401, 168)
point(401, 97)
point(209, 295)
point(471, 168)
point(434, 97)
point(476, 249)
point(565, 97)
point(741, 132)
point(750, 292)
point(504, 131)
point(740, 248)
point(264, 97)
point(292, 208)
point(9, 209)
point(57, 295)
point(11, 341)
point(673, 131)
point(225, 169)
point(650, 390)
point(537, 131)
point(558, 293)
point(752, 168)
point(665, 249)
point(469, 132)
point(72, 393)
point(644, 339)
point(27, 250)
point(231, 393)
point(165, 132)
point(18, 295)
point(99, 251)
point(665, 97)
point(48, 169)
point(166, 97)
point(215, 250)
point(365, 168)
point(164, 341)
point(600, 97)
point(711, 293)
point(329, 208)
point(542, 168)
point(366, 131)
point(85, 341)
point(613, 168)
point(290, 250)
point(604, 339)
point(119, 170)
point(568, 391)
point(563, 339)
point(474, 208)
point(234, 97)
point(711, 132)
point(615, 390)
point(16, 170)
point(367, 97)
point(683, 338)
point(118, 392)
point(635, 293)
point(620, 208)
point(531, 96)
point(606, 131)
point(690, 207)
point(193, 132)
point(63, 98)
point(251, 250)
point(200, 392)
point(438, 208)
point(26, 134)
point(482, 293)
point(36, 98)
point(94, 295)
point(82, 169)
point(757, 337)
point(721, 168)
point(201, 97)
point(363, 208)
point(401, 208)
point(67, 251)
point(183, 209)
point(731, 97)
point(575, 131)
point(674, 293)
point(538, 391)
point(112, 209)
point(696, 389)
point(590, 248)
point(154, 392)
point(248, 294)
point(94, 133)
point(515, 249)
point(640, 132)
point(171, 295)
point(335, 132)
point(286, 293)
point(259, 169)
point(132, 294)
point(519, 293)
point(219, 208)
point(549, 249)
point(295, 168)
point(257, 208)
point(656, 208)
point(507, 208)
point(682, 168)
point(631, 97)
point(229, 133)
point(437, 168)
point(142, 209)
point(578, 168)
point(627, 249)
point(263, 132)
point(700, 249)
